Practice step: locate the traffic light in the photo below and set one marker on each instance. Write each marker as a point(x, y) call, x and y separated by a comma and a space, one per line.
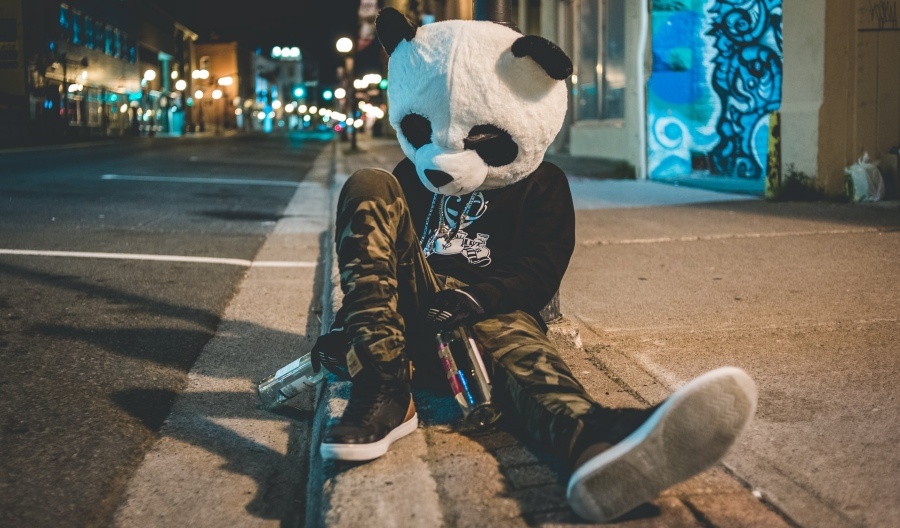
point(299, 92)
point(327, 95)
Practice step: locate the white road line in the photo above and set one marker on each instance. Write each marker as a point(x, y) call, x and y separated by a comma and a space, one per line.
point(733, 236)
point(163, 258)
point(216, 181)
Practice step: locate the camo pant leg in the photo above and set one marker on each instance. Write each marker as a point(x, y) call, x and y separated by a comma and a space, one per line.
point(384, 275)
point(530, 376)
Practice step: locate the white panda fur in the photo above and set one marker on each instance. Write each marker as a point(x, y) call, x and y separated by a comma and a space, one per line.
point(460, 74)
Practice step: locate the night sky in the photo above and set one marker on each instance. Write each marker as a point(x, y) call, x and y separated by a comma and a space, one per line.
point(313, 25)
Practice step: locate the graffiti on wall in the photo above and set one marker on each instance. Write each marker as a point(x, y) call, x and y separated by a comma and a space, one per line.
point(716, 78)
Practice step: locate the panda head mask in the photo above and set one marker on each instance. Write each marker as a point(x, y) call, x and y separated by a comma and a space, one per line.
point(475, 103)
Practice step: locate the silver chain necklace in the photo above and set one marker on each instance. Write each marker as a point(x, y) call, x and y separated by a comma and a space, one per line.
point(443, 230)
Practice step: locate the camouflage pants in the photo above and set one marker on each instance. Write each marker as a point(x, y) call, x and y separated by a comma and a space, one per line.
point(386, 281)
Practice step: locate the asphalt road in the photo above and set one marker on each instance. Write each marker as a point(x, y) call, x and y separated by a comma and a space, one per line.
point(94, 350)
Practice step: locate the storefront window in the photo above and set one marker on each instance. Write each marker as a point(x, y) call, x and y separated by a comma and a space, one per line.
point(599, 85)
point(587, 83)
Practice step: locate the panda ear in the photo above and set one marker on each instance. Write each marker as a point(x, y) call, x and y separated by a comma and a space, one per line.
point(548, 55)
point(393, 28)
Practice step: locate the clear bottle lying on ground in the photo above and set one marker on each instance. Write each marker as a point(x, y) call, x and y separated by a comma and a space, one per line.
point(470, 384)
point(288, 382)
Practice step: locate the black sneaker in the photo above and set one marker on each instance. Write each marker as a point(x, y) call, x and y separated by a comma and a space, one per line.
point(686, 434)
point(380, 411)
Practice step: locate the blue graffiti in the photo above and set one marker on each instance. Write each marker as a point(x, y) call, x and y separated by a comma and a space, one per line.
point(747, 79)
point(716, 77)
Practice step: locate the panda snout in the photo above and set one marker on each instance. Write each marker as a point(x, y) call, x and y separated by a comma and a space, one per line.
point(438, 178)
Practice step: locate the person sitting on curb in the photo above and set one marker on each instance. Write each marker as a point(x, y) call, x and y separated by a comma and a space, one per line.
point(473, 227)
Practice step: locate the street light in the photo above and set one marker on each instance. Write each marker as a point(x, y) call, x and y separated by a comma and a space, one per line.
point(216, 95)
point(345, 46)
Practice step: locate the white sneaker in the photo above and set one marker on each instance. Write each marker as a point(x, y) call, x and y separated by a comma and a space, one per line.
point(688, 433)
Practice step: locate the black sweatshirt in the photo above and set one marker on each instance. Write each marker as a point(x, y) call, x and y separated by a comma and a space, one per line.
point(514, 253)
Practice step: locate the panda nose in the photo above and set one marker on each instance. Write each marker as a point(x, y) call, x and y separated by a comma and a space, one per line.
point(438, 178)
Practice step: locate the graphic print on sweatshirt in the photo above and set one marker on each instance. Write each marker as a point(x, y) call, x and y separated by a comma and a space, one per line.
point(475, 250)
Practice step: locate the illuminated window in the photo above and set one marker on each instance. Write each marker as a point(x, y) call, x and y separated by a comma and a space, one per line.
point(64, 17)
point(77, 28)
point(108, 46)
point(98, 34)
point(131, 53)
point(88, 32)
point(600, 86)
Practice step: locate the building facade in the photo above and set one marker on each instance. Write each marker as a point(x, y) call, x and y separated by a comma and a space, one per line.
point(84, 67)
point(731, 94)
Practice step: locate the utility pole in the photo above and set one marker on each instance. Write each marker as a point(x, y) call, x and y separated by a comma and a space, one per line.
point(498, 11)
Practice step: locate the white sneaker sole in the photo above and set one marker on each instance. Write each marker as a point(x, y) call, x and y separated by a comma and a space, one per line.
point(689, 433)
point(363, 452)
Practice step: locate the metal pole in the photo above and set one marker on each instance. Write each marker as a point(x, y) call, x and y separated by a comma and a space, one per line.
point(498, 11)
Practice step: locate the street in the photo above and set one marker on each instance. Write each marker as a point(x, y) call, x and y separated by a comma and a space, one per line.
point(147, 285)
point(94, 350)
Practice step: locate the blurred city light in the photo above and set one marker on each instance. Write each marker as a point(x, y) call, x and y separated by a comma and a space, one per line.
point(149, 75)
point(174, 74)
point(340, 93)
point(299, 92)
point(217, 94)
point(198, 94)
point(344, 45)
point(328, 95)
point(313, 109)
point(226, 81)
point(181, 84)
point(301, 109)
point(276, 104)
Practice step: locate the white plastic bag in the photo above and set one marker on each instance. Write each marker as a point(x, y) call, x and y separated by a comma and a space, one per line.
point(864, 182)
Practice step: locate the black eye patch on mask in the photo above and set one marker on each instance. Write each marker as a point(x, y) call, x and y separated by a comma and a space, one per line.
point(495, 146)
point(417, 130)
